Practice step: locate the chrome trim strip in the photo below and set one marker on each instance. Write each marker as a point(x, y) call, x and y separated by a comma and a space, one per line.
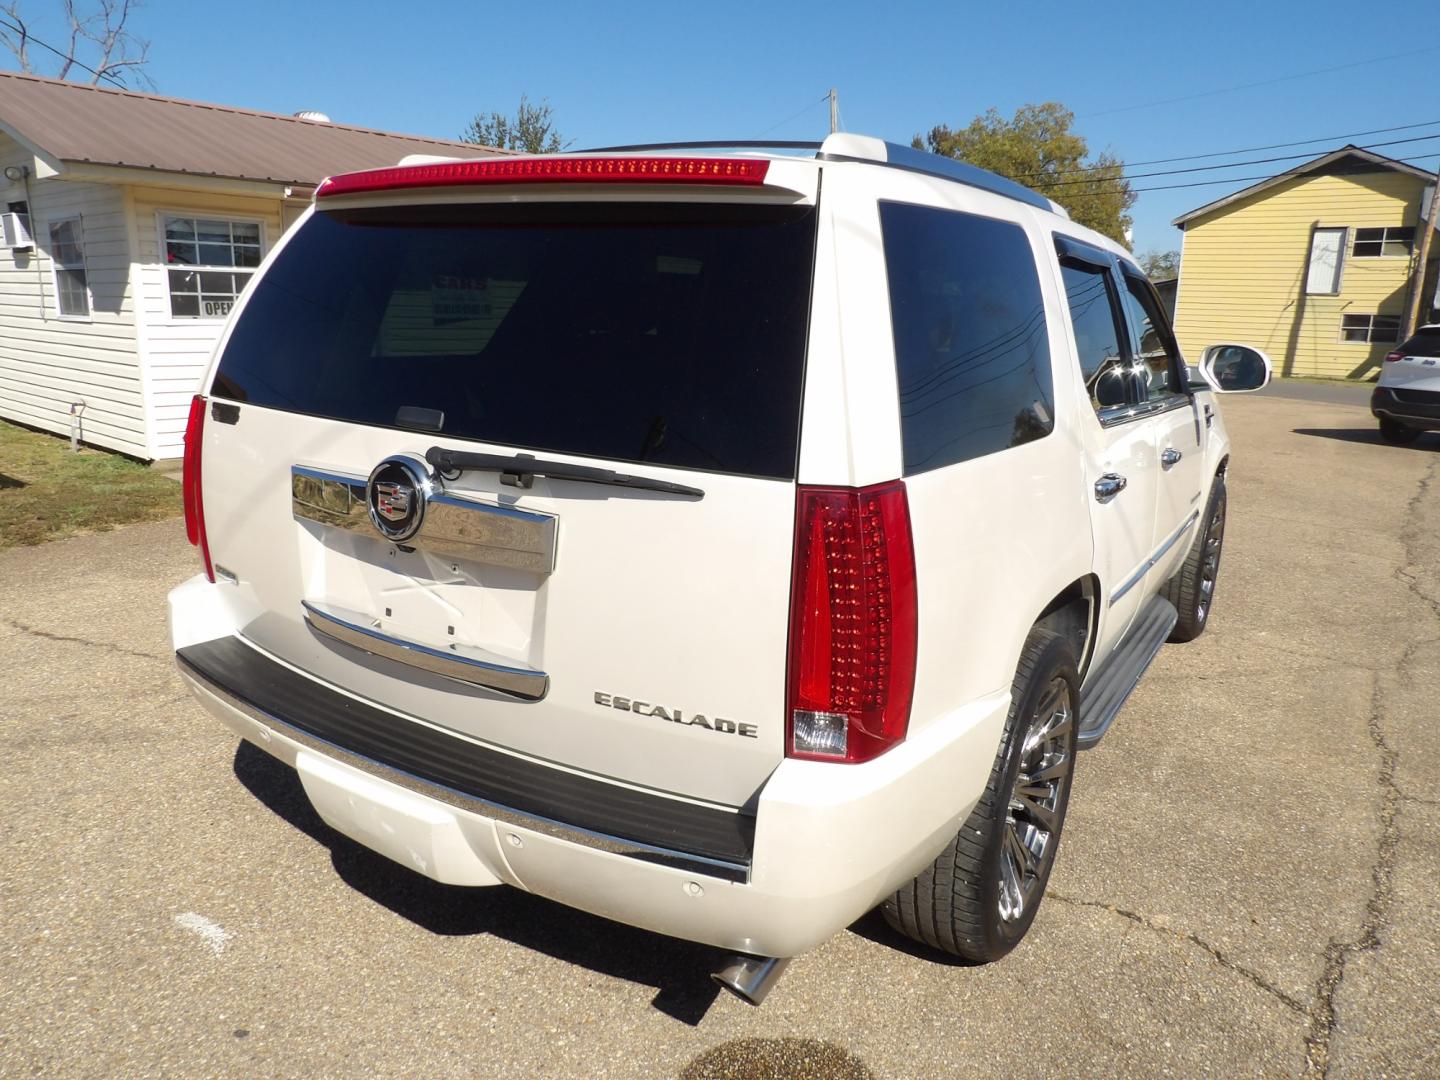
point(454, 526)
point(463, 663)
point(1123, 414)
point(330, 498)
point(1134, 579)
point(559, 830)
point(483, 532)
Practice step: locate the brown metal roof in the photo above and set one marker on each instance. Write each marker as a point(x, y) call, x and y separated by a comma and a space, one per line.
point(79, 123)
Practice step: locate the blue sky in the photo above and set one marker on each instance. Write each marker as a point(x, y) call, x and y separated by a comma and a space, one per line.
point(644, 72)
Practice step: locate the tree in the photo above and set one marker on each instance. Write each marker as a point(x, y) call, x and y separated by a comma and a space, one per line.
point(532, 130)
point(1160, 265)
point(1038, 148)
point(97, 42)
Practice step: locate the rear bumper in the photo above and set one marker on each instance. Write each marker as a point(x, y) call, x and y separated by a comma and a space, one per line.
point(1415, 408)
point(824, 844)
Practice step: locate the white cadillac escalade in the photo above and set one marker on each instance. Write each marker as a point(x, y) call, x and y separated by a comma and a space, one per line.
point(721, 543)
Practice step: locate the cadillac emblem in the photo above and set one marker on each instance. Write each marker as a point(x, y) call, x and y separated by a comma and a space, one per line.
point(396, 493)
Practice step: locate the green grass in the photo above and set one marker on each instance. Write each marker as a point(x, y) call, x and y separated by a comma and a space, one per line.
point(47, 492)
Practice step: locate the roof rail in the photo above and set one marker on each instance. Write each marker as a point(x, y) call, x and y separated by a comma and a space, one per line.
point(844, 146)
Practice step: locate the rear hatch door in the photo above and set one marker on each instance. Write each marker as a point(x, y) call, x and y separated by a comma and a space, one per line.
point(634, 633)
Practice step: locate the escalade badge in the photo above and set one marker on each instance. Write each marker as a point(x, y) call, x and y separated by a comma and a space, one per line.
point(396, 494)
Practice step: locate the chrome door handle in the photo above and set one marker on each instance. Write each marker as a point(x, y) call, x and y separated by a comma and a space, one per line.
point(1108, 486)
point(1170, 457)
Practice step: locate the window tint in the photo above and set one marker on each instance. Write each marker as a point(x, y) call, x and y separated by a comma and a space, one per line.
point(972, 350)
point(1097, 335)
point(671, 334)
point(1425, 343)
point(1151, 343)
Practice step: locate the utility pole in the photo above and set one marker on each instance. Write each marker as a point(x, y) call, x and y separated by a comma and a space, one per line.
point(1417, 300)
point(834, 111)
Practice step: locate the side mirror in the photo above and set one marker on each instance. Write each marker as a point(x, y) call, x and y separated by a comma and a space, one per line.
point(1235, 369)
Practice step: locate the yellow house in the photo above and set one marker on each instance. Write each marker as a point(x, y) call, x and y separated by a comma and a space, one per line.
point(1314, 266)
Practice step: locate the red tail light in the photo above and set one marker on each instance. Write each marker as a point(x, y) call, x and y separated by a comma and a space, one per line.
point(852, 623)
point(1395, 356)
point(190, 481)
point(553, 170)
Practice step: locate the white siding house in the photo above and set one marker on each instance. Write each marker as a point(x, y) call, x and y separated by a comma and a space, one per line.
point(51, 359)
point(146, 217)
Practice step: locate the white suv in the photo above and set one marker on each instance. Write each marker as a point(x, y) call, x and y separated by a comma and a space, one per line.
point(1406, 400)
point(725, 544)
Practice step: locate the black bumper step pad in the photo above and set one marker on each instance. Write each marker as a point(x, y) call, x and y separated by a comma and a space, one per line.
point(527, 787)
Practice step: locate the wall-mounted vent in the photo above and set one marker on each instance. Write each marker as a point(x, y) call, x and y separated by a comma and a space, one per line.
point(15, 229)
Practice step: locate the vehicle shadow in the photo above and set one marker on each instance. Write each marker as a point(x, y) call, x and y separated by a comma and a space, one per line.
point(679, 970)
point(872, 927)
point(1371, 436)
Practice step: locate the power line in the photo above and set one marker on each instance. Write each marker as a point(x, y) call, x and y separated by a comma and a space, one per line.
point(797, 115)
point(1211, 183)
point(27, 36)
point(1212, 168)
point(1246, 149)
point(1262, 82)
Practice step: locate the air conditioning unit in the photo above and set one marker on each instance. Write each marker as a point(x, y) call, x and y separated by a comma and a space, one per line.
point(16, 231)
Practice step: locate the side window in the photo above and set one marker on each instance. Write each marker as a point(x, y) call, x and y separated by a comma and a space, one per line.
point(67, 256)
point(210, 262)
point(972, 350)
point(1152, 343)
point(1098, 336)
point(1391, 243)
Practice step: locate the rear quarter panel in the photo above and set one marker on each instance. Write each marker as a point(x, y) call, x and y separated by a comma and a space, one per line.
point(996, 537)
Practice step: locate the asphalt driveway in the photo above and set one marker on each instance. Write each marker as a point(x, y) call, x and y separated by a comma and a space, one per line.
point(1247, 885)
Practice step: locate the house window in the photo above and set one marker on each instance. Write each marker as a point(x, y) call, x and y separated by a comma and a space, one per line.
point(208, 263)
point(1369, 329)
point(67, 257)
point(1326, 247)
point(1384, 243)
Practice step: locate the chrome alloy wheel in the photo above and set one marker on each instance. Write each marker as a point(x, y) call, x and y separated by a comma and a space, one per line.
point(1033, 817)
point(1210, 564)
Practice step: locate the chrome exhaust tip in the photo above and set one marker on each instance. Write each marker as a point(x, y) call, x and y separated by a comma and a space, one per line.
point(751, 977)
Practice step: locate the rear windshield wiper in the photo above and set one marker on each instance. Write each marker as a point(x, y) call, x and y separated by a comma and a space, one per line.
point(520, 470)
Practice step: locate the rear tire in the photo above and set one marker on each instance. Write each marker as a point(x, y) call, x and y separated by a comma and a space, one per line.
point(1392, 431)
point(979, 897)
point(1192, 589)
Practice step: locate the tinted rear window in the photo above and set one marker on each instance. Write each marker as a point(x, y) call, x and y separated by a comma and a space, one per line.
point(668, 334)
point(1424, 343)
point(972, 351)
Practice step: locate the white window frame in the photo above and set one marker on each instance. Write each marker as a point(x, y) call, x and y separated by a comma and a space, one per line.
point(56, 266)
point(162, 217)
point(1340, 254)
point(1385, 231)
point(1369, 328)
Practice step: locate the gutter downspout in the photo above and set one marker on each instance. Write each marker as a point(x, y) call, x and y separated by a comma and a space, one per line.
point(34, 235)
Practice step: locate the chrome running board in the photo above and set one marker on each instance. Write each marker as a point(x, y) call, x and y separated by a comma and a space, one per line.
point(1108, 688)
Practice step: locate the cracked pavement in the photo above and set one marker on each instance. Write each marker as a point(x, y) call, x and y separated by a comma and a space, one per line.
point(1247, 883)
